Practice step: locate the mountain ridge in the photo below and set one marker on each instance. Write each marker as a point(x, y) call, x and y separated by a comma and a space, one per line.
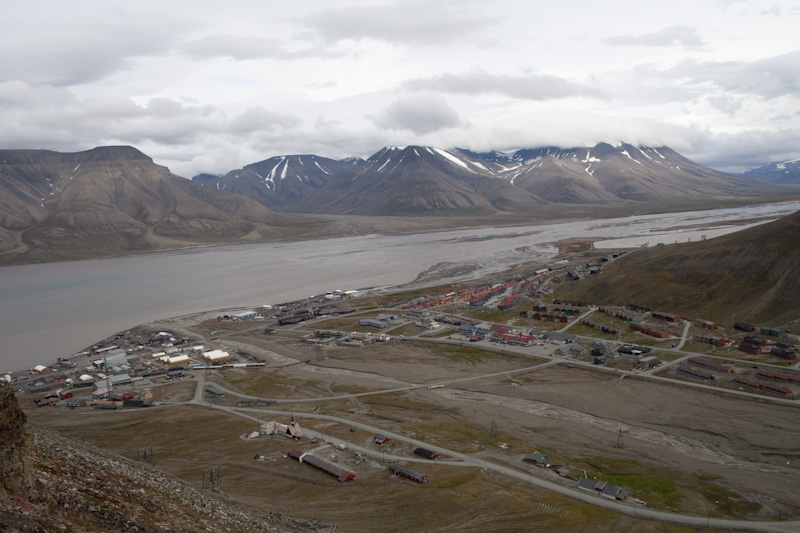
point(415, 180)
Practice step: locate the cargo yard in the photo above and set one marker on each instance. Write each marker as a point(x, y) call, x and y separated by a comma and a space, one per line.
point(496, 399)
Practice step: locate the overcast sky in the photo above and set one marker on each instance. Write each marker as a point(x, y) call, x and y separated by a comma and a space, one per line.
point(206, 86)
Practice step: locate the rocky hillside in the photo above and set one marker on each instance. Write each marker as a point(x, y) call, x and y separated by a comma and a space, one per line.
point(49, 482)
point(56, 206)
point(748, 276)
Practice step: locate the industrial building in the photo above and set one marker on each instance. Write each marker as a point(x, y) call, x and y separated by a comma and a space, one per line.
point(335, 470)
point(373, 323)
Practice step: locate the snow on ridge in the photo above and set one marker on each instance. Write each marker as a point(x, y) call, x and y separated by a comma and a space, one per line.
point(629, 156)
point(285, 168)
point(319, 167)
point(643, 153)
point(453, 159)
point(415, 151)
point(384, 164)
point(275, 169)
point(659, 155)
point(589, 159)
point(74, 169)
point(479, 165)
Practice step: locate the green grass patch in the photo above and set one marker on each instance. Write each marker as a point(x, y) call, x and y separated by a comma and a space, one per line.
point(450, 484)
point(656, 486)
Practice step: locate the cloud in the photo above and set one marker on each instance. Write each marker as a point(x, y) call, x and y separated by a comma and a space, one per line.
point(674, 35)
point(532, 87)
point(82, 49)
point(744, 150)
point(242, 47)
point(417, 23)
point(420, 114)
point(768, 78)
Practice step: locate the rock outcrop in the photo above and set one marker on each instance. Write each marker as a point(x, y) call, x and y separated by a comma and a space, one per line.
point(16, 448)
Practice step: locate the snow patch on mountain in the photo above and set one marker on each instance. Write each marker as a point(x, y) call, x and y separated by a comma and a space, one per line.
point(453, 159)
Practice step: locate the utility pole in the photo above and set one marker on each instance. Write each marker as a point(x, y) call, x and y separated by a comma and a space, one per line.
point(211, 478)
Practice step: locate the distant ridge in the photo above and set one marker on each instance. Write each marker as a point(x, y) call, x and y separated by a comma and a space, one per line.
point(421, 180)
point(781, 172)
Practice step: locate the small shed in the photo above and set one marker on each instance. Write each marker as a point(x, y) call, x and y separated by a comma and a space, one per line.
point(538, 458)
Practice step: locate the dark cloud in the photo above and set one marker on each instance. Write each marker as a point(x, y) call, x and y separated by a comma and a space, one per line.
point(768, 78)
point(530, 87)
point(415, 23)
point(77, 50)
point(419, 114)
point(674, 35)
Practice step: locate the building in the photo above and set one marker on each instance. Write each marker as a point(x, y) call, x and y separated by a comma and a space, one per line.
point(750, 348)
point(537, 458)
point(646, 363)
point(413, 475)
point(373, 323)
point(427, 454)
point(667, 317)
point(246, 315)
point(773, 332)
point(334, 470)
point(741, 326)
point(700, 322)
point(216, 356)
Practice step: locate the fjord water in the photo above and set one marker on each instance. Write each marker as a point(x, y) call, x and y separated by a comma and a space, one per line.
point(56, 309)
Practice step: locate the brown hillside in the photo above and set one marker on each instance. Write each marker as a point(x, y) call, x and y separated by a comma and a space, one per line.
point(110, 200)
point(749, 276)
point(49, 482)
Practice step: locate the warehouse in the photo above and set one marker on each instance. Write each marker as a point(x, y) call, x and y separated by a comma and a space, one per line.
point(371, 322)
point(216, 356)
point(247, 315)
point(335, 470)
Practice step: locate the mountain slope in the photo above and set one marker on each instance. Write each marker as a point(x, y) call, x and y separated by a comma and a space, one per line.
point(783, 172)
point(416, 180)
point(622, 173)
point(113, 199)
point(282, 180)
point(746, 276)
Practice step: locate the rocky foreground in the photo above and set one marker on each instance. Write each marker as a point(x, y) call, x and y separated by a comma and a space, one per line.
point(49, 482)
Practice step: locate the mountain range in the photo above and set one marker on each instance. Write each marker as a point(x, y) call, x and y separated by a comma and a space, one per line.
point(784, 172)
point(418, 180)
point(108, 200)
